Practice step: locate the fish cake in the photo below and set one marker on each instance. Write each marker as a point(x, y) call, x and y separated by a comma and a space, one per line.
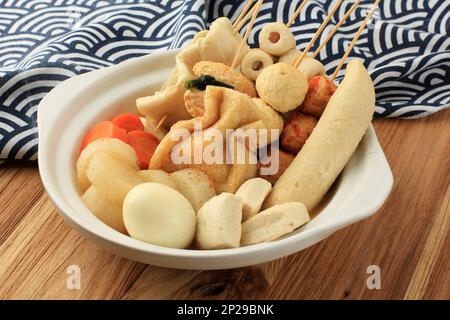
point(282, 87)
point(284, 161)
point(332, 143)
point(319, 93)
point(296, 131)
point(194, 102)
point(225, 74)
point(276, 39)
point(254, 63)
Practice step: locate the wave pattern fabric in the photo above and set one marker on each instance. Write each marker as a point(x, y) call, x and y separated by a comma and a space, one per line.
point(406, 48)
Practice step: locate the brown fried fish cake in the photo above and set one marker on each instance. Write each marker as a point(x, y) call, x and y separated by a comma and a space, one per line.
point(194, 102)
point(226, 74)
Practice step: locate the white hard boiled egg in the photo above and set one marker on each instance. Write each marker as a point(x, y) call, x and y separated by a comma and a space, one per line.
point(160, 215)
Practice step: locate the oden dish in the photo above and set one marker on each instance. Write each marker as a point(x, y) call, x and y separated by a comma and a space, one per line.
point(166, 204)
point(218, 124)
point(333, 141)
point(360, 190)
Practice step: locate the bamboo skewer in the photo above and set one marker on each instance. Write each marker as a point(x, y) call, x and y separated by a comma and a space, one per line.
point(317, 34)
point(241, 15)
point(244, 20)
point(253, 12)
point(296, 13)
point(247, 33)
point(241, 23)
point(347, 14)
point(161, 122)
point(355, 38)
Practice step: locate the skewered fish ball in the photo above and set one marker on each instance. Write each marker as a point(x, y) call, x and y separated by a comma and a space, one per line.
point(276, 39)
point(254, 62)
point(319, 93)
point(282, 87)
point(296, 131)
point(309, 66)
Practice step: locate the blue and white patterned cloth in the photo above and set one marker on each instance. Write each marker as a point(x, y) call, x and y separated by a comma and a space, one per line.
point(406, 47)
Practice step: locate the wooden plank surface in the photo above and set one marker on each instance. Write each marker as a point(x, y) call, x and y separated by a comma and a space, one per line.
point(408, 239)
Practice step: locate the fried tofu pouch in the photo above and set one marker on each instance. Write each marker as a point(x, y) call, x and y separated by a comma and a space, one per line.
point(226, 74)
point(218, 44)
point(331, 144)
point(224, 109)
point(194, 98)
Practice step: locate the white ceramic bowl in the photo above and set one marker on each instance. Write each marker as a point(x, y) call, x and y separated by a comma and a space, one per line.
point(78, 103)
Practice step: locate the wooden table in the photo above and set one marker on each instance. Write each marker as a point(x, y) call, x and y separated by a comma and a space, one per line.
point(408, 239)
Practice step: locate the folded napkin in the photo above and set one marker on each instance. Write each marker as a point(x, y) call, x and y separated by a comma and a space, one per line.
point(406, 48)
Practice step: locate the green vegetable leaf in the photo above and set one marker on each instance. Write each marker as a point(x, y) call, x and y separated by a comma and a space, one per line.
point(203, 81)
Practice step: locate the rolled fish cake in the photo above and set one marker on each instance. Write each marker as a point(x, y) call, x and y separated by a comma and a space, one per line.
point(254, 62)
point(282, 86)
point(276, 39)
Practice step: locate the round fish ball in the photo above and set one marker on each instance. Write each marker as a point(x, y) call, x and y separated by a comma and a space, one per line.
point(254, 62)
point(276, 39)
point(282, 86)
point(160, 215)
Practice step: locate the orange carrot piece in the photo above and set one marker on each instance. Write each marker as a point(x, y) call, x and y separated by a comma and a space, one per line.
point(144, 144)
point(105, 129)
point(128, 121)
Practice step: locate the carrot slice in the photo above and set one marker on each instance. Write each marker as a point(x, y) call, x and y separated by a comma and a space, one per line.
point(144, 144)
point(128, 121)
point(105, 129)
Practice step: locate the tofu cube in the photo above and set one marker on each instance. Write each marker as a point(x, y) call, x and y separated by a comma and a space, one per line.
point(273, 223)
point(219, 222)
point(253, 192)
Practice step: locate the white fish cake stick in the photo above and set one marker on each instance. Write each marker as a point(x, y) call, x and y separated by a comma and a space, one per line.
point(333, 141)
